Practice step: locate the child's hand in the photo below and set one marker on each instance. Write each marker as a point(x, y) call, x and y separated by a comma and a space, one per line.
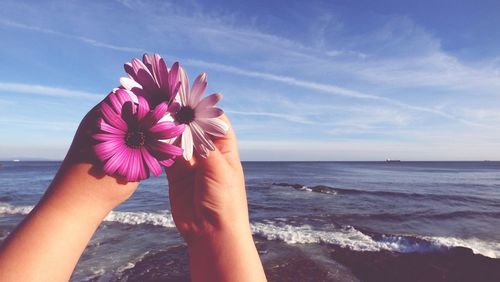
point(110, 191)
point(208, 195)
point(209, 207)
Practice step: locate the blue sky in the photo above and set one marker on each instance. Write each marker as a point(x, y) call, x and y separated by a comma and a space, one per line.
point(302, 80)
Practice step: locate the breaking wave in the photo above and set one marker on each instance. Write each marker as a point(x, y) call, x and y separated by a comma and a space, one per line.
point(345, 237)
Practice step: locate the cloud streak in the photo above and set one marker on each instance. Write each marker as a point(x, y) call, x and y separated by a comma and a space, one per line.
point(287, 117)
point(311, 85)
point(48, 91)
point(83, 39)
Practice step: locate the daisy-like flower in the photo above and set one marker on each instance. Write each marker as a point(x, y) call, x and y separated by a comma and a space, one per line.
point(199, 115)
point(151, 79)
point(130, 142)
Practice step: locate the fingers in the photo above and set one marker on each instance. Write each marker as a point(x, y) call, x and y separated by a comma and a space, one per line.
point(226, 152)
point(180, 169)
point(227, 145)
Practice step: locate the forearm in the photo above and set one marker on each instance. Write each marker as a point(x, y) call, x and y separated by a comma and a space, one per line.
point(225, 255)
point(49, 242)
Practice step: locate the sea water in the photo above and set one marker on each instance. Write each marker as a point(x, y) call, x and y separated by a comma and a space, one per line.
point(401, 207)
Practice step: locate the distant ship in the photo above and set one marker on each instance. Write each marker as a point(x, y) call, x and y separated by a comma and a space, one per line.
point(16, 161)
point(392, 161)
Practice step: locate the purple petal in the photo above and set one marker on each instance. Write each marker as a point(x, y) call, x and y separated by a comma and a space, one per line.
point(211, 112)
point(115, 103)
point(108, 128)
point(107, 137)
point(167, 162)
point(174, 108)
point(184, 89)
point(129, 69)
point(125, 169)
point(151, 162)
point(164, 150)
point(116, 161)
point(175, 91)
point(163, 75)
point(106, 150)
point(123, 96)
point(143, 108)
point(174, 82)
point(209, 101)
point(143, 170)
point(112, 118)
point(166, 130)
point(159, 112)
point(128, 114)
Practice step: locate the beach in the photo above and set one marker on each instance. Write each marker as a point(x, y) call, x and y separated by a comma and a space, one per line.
point(312, 221)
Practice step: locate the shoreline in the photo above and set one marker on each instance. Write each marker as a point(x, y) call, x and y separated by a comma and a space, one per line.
point(305, 262)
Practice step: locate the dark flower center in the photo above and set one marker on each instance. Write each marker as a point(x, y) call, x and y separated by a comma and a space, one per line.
point(135, 139)
point(185, 115)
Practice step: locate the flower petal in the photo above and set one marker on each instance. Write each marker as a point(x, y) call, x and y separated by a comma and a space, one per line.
point(124, 96)
point(143, 108)
point(102, 125)
point(199, 86)
point(159, 112)
point(116, 161)
point(112, 118)
point(198, 145)
point(166, 130)
point(106, 150)
point(184, 89)
point(143, 170)
point(209, 101)
point(187, 143)
point(126, 168)
point(214, 126)
point(151, 162)
point(211, 112)
point(129, 69)
point(202, 137)
point(167, 162)
point(107, 137)
point(164, 150)
point(129, 84)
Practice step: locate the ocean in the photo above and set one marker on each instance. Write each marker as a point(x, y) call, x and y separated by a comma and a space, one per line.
point(312, 221)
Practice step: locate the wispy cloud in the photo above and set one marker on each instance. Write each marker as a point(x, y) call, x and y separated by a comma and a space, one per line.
point(48, 91)
point(83, 39)
point(287, 117)
point(51, 125)
point(288, 80)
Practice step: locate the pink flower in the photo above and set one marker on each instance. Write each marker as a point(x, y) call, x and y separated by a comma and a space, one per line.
point(151, 79)
point(131, 142)
point(199, 115)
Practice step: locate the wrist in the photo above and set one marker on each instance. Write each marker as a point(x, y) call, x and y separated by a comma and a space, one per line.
point(82, 186)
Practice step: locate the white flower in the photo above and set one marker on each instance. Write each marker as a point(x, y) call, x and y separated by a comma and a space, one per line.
point(199, 115)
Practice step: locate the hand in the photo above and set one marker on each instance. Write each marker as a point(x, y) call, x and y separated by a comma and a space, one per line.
point(209, 207)
point(111, 190)
point(208, 194)
point(48, 243)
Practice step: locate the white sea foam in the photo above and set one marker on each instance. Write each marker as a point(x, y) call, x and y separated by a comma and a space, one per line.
point(9, 209)
point(163, 218)
point(489, 249)
point(346, 237)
